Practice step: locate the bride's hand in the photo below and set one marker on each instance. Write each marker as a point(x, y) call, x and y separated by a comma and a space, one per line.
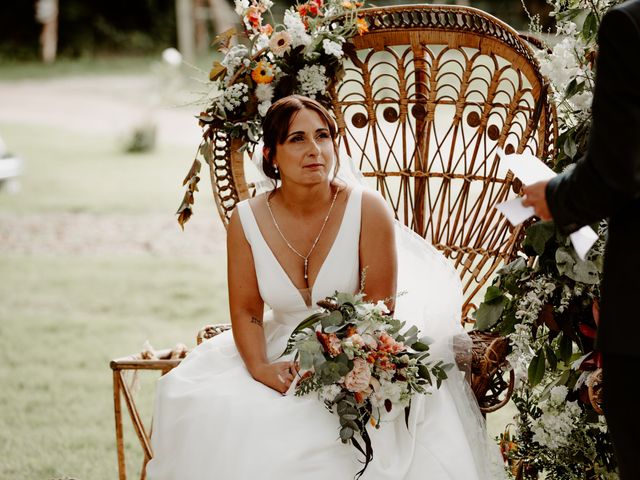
point(278, 376)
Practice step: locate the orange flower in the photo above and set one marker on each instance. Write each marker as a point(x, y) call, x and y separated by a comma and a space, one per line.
point(254, 16)
point(347, 4)
point(362, 25)
point(313, 8)
point(263, 73)
point(303, 10)
point(267, 29)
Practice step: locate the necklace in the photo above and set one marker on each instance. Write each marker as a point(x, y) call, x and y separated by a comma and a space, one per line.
point(315, 242)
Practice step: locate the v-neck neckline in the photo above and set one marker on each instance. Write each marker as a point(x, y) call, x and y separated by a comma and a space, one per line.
point(324, 261)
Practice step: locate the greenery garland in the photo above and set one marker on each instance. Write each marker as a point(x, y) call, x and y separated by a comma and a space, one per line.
point(546, 301)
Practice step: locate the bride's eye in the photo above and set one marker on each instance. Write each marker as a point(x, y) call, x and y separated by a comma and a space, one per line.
point(323, 135)
point(297, 138)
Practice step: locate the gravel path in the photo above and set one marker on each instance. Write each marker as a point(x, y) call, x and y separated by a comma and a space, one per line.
point(107, 104)
point(84, 233)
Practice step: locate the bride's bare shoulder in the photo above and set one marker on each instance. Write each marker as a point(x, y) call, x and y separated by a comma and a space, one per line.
point(375, 209)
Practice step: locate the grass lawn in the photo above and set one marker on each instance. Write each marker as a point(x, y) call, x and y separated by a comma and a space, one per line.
point(72, 172)
point(61, 320)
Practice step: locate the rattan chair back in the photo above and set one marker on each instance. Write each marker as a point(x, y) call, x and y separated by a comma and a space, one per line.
point(430, 95)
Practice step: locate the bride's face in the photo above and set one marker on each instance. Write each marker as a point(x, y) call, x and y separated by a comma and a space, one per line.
point(306, 156)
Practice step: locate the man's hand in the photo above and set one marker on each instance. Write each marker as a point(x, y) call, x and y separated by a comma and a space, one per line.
point(534, 196)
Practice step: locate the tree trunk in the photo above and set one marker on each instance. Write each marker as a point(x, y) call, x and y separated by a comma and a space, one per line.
point(185, 24)
point(47, 14)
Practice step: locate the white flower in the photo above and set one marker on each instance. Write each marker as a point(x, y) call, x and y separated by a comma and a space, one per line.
point(233, 59)
point(297, 30)
point(263, 108)
point(264, 92)
point(558, 420)
point(280, 43)
point(332, 48)
point(261, 42)
point(381, 307)
point(329, 393)
point(233, 97)
point(312, 80)
point(392, 391)
point(558, 394)
point(172, 57)
point(241, 6)
point(267, 4)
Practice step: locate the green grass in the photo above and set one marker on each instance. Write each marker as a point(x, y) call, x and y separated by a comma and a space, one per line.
point(61, 320)
point(74, 172)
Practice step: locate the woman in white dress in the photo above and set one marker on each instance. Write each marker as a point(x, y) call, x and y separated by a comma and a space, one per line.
point(228, 412)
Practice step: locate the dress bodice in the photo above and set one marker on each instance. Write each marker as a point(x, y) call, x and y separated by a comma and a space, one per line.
point(340, 270)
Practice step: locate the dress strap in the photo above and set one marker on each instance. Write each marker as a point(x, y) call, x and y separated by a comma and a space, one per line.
point(249, 225)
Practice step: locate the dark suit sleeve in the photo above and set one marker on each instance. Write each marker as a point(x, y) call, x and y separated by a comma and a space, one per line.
point(608, 176)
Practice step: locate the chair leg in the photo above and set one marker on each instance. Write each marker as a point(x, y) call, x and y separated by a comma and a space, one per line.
point(122, 469)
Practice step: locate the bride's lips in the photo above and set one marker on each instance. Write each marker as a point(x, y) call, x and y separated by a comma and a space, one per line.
point(313, 166)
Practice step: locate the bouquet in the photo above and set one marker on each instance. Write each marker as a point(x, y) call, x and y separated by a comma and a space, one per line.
point(353, 354)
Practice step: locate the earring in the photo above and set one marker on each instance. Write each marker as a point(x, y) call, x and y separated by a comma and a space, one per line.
point(275, 169)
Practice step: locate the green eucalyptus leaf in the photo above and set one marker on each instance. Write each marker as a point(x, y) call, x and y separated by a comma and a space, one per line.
point(564, 261)
point(488, 314)
point(346, 433)
point(518, 265)
point(333, 319)
point(537, 368)
point(569, 147)
point(343, 298)
point(538, 235)
point(493, 294)
point(551, 358)
point(420, 347)
point(565, 348)
point(590, 26)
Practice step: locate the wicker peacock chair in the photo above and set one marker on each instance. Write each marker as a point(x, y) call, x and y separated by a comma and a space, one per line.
point(430, 95)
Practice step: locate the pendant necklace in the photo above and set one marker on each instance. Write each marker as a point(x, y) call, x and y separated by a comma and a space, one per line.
point(315, 242)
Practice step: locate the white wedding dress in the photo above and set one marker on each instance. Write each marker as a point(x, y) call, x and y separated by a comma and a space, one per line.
point(213, 421)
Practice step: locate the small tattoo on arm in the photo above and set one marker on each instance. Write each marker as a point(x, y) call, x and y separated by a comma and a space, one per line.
point(257, 321)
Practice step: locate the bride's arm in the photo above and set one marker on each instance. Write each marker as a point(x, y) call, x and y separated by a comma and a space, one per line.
point(246, 309)
point(378, 249)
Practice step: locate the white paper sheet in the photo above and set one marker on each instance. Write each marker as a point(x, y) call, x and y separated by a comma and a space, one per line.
point(530, 169)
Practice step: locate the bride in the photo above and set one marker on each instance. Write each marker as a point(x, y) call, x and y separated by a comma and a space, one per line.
point(228, 411)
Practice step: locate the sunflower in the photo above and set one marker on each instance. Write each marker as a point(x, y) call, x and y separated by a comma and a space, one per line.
point(263, 73)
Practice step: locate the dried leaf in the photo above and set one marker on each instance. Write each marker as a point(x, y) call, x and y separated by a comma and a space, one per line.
point(184, 216)
point(193, 184)
point(218, 70)
point(193, 171)
point(223, 40)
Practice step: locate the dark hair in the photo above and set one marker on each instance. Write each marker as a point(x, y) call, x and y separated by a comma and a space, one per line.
point(276, 123)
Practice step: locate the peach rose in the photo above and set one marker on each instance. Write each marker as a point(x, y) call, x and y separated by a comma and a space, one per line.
point(330, 342)
point(357, 380)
